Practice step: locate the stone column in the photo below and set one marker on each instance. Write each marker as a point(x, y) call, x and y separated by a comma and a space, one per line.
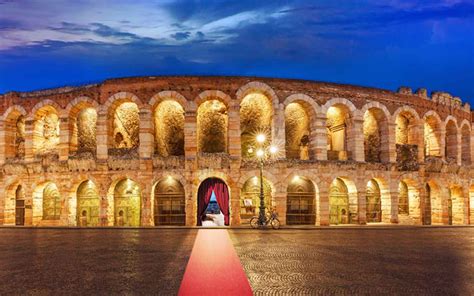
point(29, 153)
point(190, 133)
point(425, 206)
point(106, 211)
point(146, 218)
point(235, 205)
point(234, 131)
point(101, 134)
point(356, 140)
point(278, 133)
point(390, 142)
point(191, 203)
point(322, 217)
point(279, 202)
point(421, 141)
point(458, 148)
point(442, 144)
point(319, 138)
point(393, 192)
point(471, 147)
point(361, 201)
point(146, 134)
point(64, 133)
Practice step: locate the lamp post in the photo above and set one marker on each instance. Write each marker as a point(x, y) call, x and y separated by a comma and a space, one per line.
point(262, 153)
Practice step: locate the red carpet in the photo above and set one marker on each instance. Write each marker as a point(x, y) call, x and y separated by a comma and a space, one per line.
point(214, 268)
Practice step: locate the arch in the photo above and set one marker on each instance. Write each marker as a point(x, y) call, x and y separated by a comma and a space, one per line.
point(213, 94)
point(451, 141)
point(14, 203)
point(168, 121)
point(409, 203)
point(339, 131)
point(168, 95)
point(78, 104)
point(47, 202)
point(126, 203)
point(432, 134)
point(124, 126)
point(250, 198)
point(209, 188)
point(46, 130)
point(297, 131)
point(116, 99)
point(42, 104)
point(406, 120)
point(465, 143)
point(258, 87)
point(14, 128)
point(301, 202)
point(455, 205)
point(212, 127)
point(343, 205)
point(256, 117)
point(88, 204)
point(169, 202)
point(376, 134)
point(433, 203)
point(339, 101)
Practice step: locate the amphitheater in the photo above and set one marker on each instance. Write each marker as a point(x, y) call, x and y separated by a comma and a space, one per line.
point(143, 151)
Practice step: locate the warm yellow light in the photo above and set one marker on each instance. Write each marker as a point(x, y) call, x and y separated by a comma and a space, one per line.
point(273, 149)
point(261, 138)
point(260, 153)
point(250, 150)
point(296, 178)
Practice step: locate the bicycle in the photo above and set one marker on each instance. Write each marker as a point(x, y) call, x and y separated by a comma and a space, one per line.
point(271, 218)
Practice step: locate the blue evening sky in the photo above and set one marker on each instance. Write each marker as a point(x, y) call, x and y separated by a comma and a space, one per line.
point(377, 43)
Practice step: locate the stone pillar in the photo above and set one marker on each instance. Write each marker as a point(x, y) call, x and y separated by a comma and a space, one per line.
point(146, 134)
point(442, 144)
point(319, 138)
point(278, 133)
point(29, 153)
point(64, 133)
point(101, 134)
point(234, 131)
point(425, 206)
point(356, 140)
point(3, 144)
point(191, 203)
point(421, 142)
point(362, 202)
point(146, 218)
point(390, 143)
point(458, 148)
point(106, 211)
point(471, 147)
point(190, 133)
point(393, 192)
point(322, 217)
point(235, 205)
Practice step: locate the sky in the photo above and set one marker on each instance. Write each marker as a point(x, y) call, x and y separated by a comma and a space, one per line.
point(376, 43)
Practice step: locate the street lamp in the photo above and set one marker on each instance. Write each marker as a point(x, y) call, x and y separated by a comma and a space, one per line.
point(263, 152)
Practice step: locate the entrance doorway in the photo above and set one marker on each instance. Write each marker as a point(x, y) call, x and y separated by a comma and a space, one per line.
point(213, 203)
point(19, 206)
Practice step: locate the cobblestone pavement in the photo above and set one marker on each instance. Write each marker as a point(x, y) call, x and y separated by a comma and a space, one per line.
point(93, 262)
point(413, 261)
point(408, 261)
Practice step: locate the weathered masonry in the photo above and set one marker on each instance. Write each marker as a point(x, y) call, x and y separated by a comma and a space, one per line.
point(134, 152)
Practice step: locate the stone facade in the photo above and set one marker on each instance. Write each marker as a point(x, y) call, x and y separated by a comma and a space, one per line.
point(93, 155)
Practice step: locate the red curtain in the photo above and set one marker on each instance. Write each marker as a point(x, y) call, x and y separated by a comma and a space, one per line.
point(222, 196)
point(204, 196)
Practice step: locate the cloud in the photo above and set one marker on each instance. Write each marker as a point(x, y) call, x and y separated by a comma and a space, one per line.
point(180, 35)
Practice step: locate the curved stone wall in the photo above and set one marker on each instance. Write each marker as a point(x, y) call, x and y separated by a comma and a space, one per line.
point(347, 154)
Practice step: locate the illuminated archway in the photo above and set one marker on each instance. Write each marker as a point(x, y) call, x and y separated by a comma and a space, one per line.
point(409, 204)
point(46, 130)
point(127, 210)
point(432, 133)
point(433, 204)
point(216, 213)
point(300, 202)
point(451, 141)
point(455, 206)
point(297, 131)
point(375, 129)
point(256, 114)
point(15, 134)
point(169, 128)
point(88, 204)
point(250, 198)
point(338, 124)
point(212, 127)
point(169, 202)
point(126, 126)
point(465, 145)
point(343, 206)
point(373, 202)
point(83, 122)
point(51, 202)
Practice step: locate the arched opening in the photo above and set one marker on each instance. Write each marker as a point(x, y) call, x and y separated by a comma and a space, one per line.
point(83, 123)
point(250, 198)
point(406, 138)
point(256, 114)
point(213, 203)
point(300, 202)
point(373, 202)
point(409, 211)
point(338, 124)
point(51, 202)
point(212, 124)
point(88, 204)
point(169, 129)
point(15, 135)
point(376, 135)
point(465, 145)
point(297, 132)
point(433, 204)
point(46, 131)
point(451, 142)
point(342, 202)
point(169, 205)
point(455, 206)
point(127, 203)
point(126, 126)
point(432, 133)
point(19, 205)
